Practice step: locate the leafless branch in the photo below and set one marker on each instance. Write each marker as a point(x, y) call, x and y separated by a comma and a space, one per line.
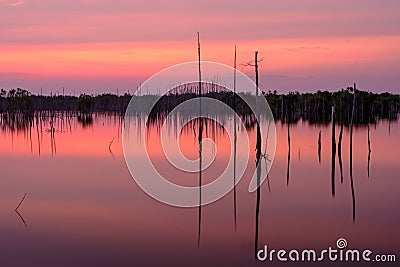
point(22, 200)
point(109, 148)
point(22, 218)
point(16, 210)
point(251, 63)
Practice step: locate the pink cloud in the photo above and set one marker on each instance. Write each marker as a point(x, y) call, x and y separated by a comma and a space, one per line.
point(16, 4)
point(335, 41)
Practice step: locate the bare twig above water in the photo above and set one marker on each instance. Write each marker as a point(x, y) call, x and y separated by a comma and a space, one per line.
point(16, 210)
point(109, 148)
point(22, 218)
point(22, 200)
point(252, 63)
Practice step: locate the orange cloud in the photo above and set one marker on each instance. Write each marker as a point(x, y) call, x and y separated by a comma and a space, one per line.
point(124, 59)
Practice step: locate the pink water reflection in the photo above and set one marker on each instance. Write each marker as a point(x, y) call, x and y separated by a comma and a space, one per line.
point(83, 208)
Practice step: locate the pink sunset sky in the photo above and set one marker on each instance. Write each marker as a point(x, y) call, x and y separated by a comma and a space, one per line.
point(96, 46)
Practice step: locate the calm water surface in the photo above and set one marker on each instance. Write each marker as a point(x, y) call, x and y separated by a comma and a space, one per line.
point(83, 208)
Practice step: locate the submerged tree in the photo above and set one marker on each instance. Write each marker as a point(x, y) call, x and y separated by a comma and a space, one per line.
point(85, 104)
point(85, 109)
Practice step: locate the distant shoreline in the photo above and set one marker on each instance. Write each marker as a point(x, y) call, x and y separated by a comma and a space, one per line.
point(289, 108)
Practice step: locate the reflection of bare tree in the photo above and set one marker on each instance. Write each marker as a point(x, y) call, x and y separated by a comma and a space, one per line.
point(163, 108)
point(85, 119)
point(52, 138)
point(258, 165)
point(38, 136)
point(288, 159)
point(200, 139)
point(369, 151)
point(319, 147)
point(266, 157)
point(234, 144)
point(352, 189)
point(299, 154)
point(258, 160)
point(340, 152)
point(30, 135)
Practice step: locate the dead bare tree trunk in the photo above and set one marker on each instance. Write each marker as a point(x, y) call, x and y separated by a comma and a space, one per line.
point(333, 151)
point(351, 154)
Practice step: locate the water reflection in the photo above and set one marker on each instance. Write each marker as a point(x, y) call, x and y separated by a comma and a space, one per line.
point(353, 197)
point(200, 143)
point(351, 155)
point(340, 152)
point(319, 147)
point(42, 130)
point(234, 169)
point(288, 155)
point(369, 151)
point(82, 183)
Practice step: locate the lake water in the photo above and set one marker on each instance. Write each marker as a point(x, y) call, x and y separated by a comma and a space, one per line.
point(83, 208)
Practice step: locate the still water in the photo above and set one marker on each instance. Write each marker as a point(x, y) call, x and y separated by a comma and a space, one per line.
point(82, 207)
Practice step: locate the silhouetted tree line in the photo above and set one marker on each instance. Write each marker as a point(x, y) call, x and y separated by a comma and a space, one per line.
point(182, 93)
point(169, 102)
point(19, 108)
point(289, 108)
point(316, 107)
point(23, 102)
